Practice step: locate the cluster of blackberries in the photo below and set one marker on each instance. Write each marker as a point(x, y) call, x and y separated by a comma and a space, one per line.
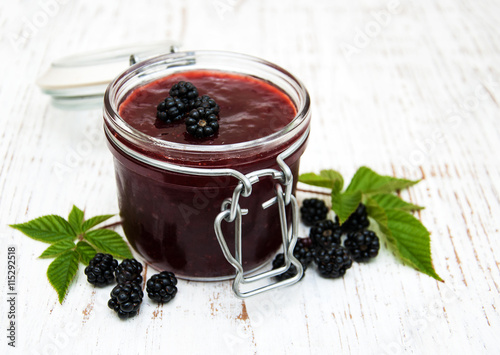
point(126, 297)
point(200, 113)
point(324, 244)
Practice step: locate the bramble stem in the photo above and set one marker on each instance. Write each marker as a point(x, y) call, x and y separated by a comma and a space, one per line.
point(111, 225)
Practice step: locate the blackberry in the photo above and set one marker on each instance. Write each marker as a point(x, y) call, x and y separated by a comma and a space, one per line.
point(312, 211)
point(357, 221)
point(325, 234)
point(129, 270)
point(334, 262)
point(208, 104)
point(363, 245)
point(200, 124)
point(184, 91)
point(161, 287)
point(171, 110)
point(100, 270)
point(126, 299)
point(279, 261)
point(304, 251)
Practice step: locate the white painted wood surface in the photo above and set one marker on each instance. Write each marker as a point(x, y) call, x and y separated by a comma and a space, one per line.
point(409, 88)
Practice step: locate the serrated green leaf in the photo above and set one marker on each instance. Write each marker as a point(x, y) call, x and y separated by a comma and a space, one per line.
point(75, 218)
point(335, 177)
point(326, 178)
point(47, 229)
point(315, 180)
point(61, 271)
point(85, 251)
point(390, 201)
point(412, 241)
point(57, 249)
point(344, 204)
point(110, 242)
point(378, 215)
point(94, 221)
point(369, 182)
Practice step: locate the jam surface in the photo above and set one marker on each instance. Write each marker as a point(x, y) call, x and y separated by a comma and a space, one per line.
point(250, 108)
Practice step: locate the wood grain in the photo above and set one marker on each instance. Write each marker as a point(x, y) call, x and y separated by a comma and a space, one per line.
point(418, 98)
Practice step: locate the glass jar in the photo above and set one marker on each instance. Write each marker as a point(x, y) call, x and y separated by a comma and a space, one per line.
point(170, 194)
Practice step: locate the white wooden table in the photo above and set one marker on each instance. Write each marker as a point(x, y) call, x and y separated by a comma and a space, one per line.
point(410, 89)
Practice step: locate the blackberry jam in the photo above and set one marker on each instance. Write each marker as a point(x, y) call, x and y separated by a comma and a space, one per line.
point(167, 211)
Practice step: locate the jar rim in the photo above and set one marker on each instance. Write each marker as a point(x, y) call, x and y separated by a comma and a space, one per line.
point(177, 60)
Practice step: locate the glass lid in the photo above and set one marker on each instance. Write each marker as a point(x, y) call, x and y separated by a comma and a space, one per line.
point(79, 81)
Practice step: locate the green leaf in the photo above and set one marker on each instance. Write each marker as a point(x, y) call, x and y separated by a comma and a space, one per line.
point(85, 251)
point(412, 241)
point(47, 229)
point(390, 201)
point(94, 221)
point(369, 182)
point(326, 178)
point(378, 215)
point(61, 271)
point(335, 177)
point(109, 242)
point(344, 204)
point(75, 218)
point(57, 249)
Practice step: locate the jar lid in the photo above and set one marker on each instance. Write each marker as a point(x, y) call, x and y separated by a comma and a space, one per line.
point(79, 81)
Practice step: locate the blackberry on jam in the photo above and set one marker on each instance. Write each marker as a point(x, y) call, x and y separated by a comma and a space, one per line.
point(126, 299)
point(357, 221)
point(304, 251)
point(279, 261)
point(100, 270)
point(312, 211)
point(208, 104)
point(161, 287)
point(129, 270)
point(363, 245)
point(171, 110)
point(200, 124)
point(325, 234)
point(334, 262)
point(184, 91)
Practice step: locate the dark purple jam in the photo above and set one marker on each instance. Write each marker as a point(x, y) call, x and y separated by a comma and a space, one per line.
point(168, 217)
point(249, 108)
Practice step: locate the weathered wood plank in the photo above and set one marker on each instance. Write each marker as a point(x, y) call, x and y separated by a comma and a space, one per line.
point(408, 88)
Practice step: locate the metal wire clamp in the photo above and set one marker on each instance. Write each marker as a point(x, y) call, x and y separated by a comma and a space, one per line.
point(231, 212)
point(289, 240)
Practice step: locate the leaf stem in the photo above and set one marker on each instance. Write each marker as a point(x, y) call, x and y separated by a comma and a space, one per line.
point(111, 225)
